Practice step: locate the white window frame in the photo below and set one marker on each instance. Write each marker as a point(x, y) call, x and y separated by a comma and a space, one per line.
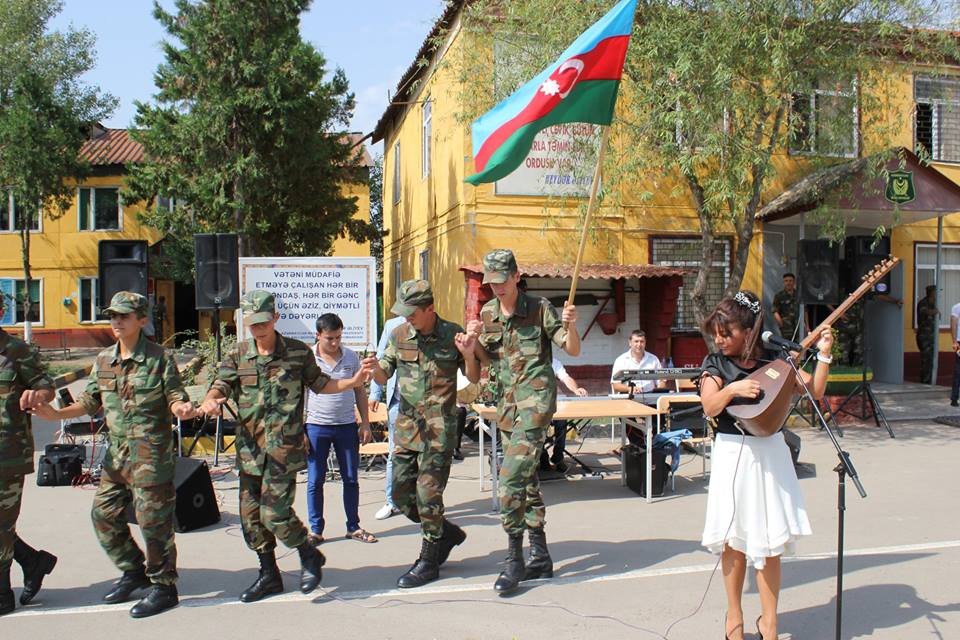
point(938, 104)
point(426, 131)
point(396, 172)
point(93, 208)
point(174, 204)
point(809, 148)
point(12, 212)
point(38, 323)
point(425, 264)
point(95, 284)
point(945, 305)
point(397, 280)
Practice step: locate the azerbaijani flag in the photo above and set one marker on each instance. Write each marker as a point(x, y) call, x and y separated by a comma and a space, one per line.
point(581, 86)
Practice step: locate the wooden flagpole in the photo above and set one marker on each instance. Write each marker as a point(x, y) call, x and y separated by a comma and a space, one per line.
point(590, 208)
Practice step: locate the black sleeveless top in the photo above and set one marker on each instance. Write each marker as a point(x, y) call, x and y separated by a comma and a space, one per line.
point(719, 365)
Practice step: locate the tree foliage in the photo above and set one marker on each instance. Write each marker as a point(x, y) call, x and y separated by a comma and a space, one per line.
point(376, 212)
point(712, 88)
point(247, 130)
point(46, 112)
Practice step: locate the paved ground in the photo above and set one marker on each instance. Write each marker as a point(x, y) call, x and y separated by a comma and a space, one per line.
point(625, 569)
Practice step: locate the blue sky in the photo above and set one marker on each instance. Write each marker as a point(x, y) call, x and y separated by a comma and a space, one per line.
point(373, 41)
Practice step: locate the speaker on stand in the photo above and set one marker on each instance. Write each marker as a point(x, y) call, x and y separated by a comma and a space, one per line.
point(122, 266)
point(819, 271)
point(860, 256)
point(218, 287)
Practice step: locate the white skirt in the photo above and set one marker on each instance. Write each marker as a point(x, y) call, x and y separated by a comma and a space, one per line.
point(760, 512)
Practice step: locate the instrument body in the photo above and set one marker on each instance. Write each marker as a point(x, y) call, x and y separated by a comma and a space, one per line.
point(765, 416)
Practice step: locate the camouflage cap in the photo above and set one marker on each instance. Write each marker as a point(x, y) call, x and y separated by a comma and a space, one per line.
point(124, 302)
point(257, 306)
point(413, 293)
point(498, 265)
point(931, 287)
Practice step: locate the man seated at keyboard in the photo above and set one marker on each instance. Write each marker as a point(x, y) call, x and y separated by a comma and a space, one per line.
point(636, 358)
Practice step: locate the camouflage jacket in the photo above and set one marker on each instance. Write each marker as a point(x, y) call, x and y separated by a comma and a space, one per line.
point(135, 395)
point(20, 369)
point(521, 347)
point(788, 306)
point(426, 367)
point(926, 320)
point(269, 394)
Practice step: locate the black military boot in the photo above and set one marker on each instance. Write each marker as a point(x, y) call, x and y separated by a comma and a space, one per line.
point(6, 593)
point(311, 561)
point(539, 565)
point(425, 569)
point(129, 582)
point(513, 573)
point(268, 582)
point(35, 565)
point(159, 598)
point(451, 537)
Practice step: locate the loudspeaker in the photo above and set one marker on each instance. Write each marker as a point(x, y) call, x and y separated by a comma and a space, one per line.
point(860, 257)
point(635, 462)
point(819, 271)
point(196, 503)
point(122, 267)
point(793, 443)
point(218, 273)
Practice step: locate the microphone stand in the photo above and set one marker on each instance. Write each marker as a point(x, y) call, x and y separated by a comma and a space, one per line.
point(844, 469)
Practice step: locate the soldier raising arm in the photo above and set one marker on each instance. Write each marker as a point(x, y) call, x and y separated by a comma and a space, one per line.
point(266, 374)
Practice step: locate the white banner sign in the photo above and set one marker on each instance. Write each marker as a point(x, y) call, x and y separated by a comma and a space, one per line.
point(560, 163)
point(306, 288)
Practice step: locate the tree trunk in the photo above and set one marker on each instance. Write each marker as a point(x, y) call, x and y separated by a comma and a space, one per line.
point(25, 252)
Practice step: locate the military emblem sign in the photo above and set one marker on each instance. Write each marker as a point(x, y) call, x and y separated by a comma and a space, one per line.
point(900, 188)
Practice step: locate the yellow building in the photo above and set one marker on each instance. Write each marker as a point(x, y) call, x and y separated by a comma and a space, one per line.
point(440, 227)
point(64, 251)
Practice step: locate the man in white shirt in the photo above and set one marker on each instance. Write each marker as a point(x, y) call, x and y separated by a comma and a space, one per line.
point(955, 332)
point(636, 358)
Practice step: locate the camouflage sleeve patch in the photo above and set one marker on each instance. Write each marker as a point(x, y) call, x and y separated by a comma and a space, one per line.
point(227, 378)
point(90, 398)
point(172, 384)
point(32, 373)
point(390, 356)
point(313, 375)
point(552, 324)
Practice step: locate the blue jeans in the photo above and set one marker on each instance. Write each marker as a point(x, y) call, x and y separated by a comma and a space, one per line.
point(392, 412)
point(346, 445)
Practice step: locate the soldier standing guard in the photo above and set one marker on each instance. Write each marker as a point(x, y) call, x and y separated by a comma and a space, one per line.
point(426, 352)
point(786, 307)
point(266, 374)
point(927, 333)
point(24, 385)
point(137, 385)
point(518, 333)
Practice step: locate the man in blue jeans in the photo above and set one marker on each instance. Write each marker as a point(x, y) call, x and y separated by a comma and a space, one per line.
point(393, 406)
point(331, 421)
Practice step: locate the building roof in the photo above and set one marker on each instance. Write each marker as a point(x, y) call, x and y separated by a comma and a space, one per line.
point(111, 146)
point(419, 64)
point(357, 140)
point(597, 271)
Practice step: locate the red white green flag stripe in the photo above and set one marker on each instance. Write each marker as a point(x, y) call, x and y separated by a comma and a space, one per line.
point(581, 86)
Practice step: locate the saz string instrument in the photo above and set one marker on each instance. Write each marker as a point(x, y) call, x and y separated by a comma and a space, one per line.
point(763, 416)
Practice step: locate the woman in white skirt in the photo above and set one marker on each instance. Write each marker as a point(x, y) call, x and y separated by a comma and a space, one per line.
point(755, 511)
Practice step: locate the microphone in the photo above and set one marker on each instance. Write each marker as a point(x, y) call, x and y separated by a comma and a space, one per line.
point(783, 343)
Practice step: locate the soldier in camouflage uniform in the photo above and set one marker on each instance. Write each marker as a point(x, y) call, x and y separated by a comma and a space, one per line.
point(850, 334)
point(426, 351)
point(927, 332)
point(518, 332)
point(266, 374)
point(137, 385)
point(24, 385)
point(786, 307)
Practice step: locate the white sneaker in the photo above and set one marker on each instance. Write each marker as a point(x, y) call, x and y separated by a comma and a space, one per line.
point(385, 512)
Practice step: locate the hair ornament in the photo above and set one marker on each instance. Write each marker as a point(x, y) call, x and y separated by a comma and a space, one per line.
point(742, 299)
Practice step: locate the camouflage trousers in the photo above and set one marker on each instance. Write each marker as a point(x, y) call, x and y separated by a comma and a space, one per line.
point(266, 511)
point(927, 353)
point(419, 478)
point(11, 494)
point(154, 507)
point(850, 341)
point(521, 503)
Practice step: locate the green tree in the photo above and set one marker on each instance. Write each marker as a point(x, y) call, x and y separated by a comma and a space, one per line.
point(248, 131)
point(376, 212)
point(45, 114)
point(713, 90)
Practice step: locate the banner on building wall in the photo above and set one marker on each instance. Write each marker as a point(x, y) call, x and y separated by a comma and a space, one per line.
point(306, 288)
point(8, 291)
point(560, 163)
